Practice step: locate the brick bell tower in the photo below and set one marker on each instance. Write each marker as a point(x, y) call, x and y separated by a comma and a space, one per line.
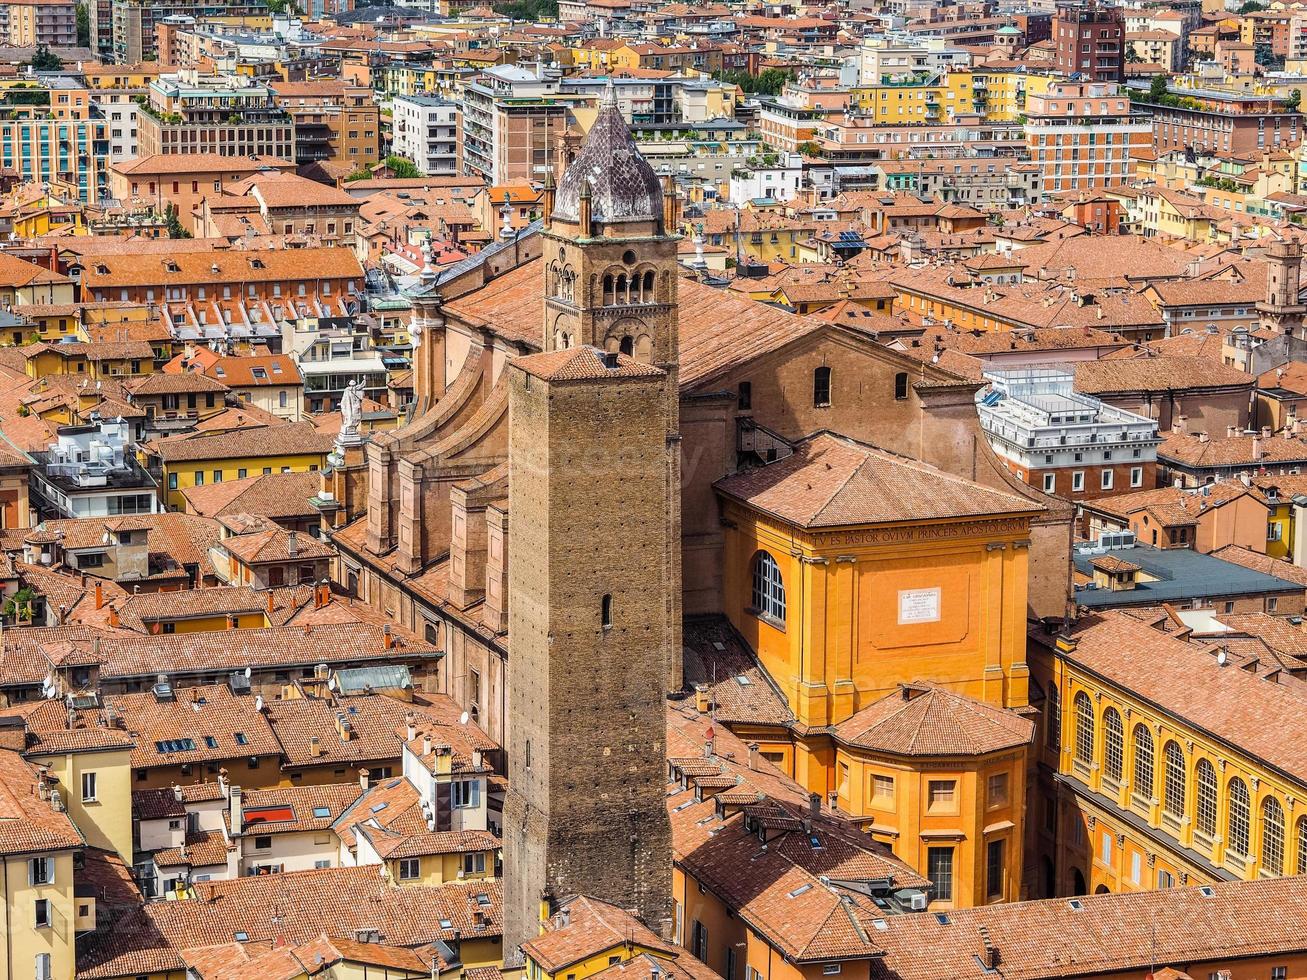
point(594, 568)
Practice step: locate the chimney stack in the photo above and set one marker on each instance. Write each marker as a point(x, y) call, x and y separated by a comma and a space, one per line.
point(315, 746)
point(363, 779)
point(237, 820)
point(754, 755)
point(387, 639)
point(292, 544)
point(99, 594)
point(271, 602)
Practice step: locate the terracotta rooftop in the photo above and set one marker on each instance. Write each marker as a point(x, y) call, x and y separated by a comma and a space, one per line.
point(830, 481)
point(338, 901)
point(934, 721)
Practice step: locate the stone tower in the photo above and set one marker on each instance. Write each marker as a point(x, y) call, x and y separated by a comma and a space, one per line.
point(1282, 311)
point(594, 584)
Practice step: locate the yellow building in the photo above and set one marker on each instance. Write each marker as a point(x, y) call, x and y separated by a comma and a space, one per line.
point(1166, 773)
point(93, 770)
point(1173, 214)
point(940, 779)
point(36, 865)
point(196, 459)
point(585, 937)
point(928, 97)
point(95, 362)
point(855, 591)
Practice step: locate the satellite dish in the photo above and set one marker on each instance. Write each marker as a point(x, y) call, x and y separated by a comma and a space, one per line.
point(463, 718)
point(104, 539)
point(247, 672)
point(195, 706)
point(1220, 658)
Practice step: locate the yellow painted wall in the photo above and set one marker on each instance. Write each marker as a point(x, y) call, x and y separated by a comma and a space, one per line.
point(842, 647)
point(23, 940)
point(105, 822)
point(185, 472)
point(1110, 798)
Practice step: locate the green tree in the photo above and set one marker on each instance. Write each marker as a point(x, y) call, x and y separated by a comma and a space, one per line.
point(810, 149)
point(1157, 88)
point(45, 60)
point(175, 229)
point(83, 25)
point(1294, 100)
point(532, 10)
point(401, 167)
point(19, 604)
point(769, 81)
point(1251, 6)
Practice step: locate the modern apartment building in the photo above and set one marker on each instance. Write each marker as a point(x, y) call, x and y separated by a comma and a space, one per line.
point(55, 133)
point(426, 131)
point(190, 112)
point(1063, 442)
point(1090, 41)
point(1081, 135)
point(129, 33)
point(333, 120)
point(27, 23)
point(511, 120)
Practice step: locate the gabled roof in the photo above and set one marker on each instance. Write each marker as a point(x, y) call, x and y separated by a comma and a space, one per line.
point(831, 481)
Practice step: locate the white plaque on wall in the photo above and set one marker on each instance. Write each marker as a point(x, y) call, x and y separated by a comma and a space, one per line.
point(918, 606)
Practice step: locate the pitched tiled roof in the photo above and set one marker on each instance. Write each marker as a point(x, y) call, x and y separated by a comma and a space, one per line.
point(27, 822)
point(296, 439)
point(585, 927)
point(1166, 372)
point(1103, 935)
point(830, 481)
point(129, 655)
point(717, 658)
point(274, 495)
point(216, 267)
point(274, 544)
point(1185, 681)
point(338, 901)
point(295, 809)
point(583, 364)
point(934, 722)
point(790, 894)
point(1241, 450)
point(1259, 562)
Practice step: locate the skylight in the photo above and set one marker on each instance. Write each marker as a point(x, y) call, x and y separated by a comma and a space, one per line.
point(322, 811)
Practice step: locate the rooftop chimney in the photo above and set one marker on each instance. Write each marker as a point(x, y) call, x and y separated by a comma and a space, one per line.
point(754, 755)
point(363, 779)
point(292, 544)
point(99, 594)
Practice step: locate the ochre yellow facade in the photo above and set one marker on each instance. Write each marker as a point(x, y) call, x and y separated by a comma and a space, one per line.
point(1147, 800)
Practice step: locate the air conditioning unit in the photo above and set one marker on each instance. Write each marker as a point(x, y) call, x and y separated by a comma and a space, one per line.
point(919, 901)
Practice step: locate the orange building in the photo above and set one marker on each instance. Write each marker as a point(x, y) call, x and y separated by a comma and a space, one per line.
point(1082, 134)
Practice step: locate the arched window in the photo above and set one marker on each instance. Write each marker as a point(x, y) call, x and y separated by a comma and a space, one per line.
point(606, 611)
point(1084, 728)
point(1174, 783)
point(821, 387)
point(1236, 838)
point(647, 291)
point(608, 290)
point(1205, 803)
point(1143, 771)
point(627, 346)
point(901, 385)
point(1272, 836)
point(1113, 744)
point(620, 289)
point(1053, 731)
point(768, 589)
point(1301, 834)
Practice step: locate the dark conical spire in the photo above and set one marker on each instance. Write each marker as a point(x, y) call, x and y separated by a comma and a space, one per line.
point(623, 187)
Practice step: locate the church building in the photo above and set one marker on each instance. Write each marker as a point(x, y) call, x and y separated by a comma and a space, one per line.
point(610, 460)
